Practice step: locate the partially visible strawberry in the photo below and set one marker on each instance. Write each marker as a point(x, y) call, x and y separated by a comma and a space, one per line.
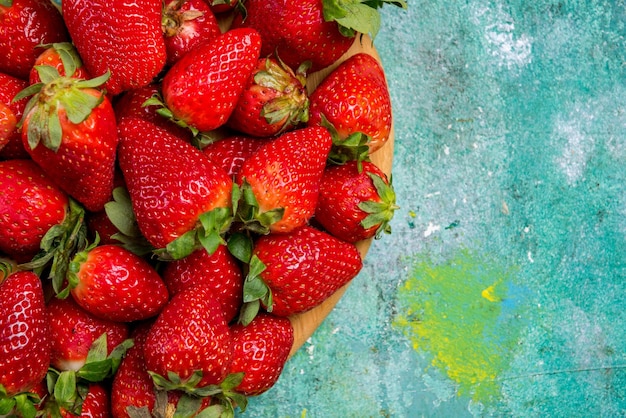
point(9, 87)
point(223, 6)
point(202, 88)
point(179, 196)
point(25, 24)
point(30, 204)
point(24, 341)
point(273, 101)
point(354, 99)
point(219, 271)
point(124, 38)
point(69, 130)
point(260, 351)
point(190, 336)
point(283, 177)
point(94, 404)
point(230, 152)
point(355, 204)
point(295, 272)
point(8, 124)
point(186, 24)
point(62, 56)
point(113, 283)
point(73, 331)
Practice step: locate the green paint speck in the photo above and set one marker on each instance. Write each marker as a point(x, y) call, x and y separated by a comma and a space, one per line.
point(457, 312)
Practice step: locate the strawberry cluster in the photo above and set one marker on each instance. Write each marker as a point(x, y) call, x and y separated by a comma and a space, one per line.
point(173, 191)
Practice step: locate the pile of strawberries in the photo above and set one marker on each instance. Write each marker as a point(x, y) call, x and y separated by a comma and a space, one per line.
point(171, 194)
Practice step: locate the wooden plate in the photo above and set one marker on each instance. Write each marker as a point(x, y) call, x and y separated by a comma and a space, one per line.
point(306, 323)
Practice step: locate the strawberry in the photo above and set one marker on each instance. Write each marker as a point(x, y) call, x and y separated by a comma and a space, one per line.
point(8, 124)
point(294, 272)
point(199, 344)
point(230, 152)
point(273, 101)
point(219, 271)
point(202, 88)
point(354, 100)
point(179, 195)
point(95, 403)
point(24, 341)
point(319, 31)
point(9, 87)
point(30, 205)
point(73, 331)
point(113, 283)
point(60, 55)
point(186, 24)
point(25, 24)
point(260, 351)
point(223, 6)
point(133, 388)
point(69, 130)
point(355, 204)
point(123, 38)
point(284, 177)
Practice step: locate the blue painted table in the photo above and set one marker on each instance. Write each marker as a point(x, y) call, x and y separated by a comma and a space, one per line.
point(501, 291)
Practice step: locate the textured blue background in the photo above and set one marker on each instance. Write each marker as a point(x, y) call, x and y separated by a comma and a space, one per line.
point(502, 288)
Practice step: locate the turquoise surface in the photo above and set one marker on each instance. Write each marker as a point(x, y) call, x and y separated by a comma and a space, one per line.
point(501, 291)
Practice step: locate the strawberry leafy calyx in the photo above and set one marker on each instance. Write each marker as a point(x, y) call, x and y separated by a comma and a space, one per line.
point(292, 104)
point(249, 214)
point(163, 111)
point(255, 292)
point(120, 213)
point(354, 147)
point(53, 95)
point(379, 213)
point(20, 404)
point(354, 16)
point(173, 19)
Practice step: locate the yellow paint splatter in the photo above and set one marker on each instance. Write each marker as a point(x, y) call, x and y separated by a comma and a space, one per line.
point(453, 312)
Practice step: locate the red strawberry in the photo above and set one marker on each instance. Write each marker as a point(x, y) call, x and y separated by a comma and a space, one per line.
point(8, 124)
point(30, 205)
point(355, 204)
point(25, 24)
point(260, 351)
point(24, 332)
point(230, 152)
point(190, 335)
point(124, 38)
point(9, 87)
point(274, 100)
point(202, 88)
point(133, 387)
point(297, 271)
point(173, 186)
point(60, 55)
point(73, 331)
point(95, 403)
point(355, 100)
point(74, 144)
point(113, 283)
point(219, 271)
point(284, 177)
point(223, 6)
point(186, 24)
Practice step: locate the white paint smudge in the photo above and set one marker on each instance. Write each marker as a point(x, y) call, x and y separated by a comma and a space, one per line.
point(578, 145)
point(432, 228)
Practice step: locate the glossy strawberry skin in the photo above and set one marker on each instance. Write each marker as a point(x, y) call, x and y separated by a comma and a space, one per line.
point(23, 26)
point(115, 284)
point(231, 152)
point(50, 56)
point(24, 333)
point(285, 173)
point(202, 88)
point(202, 341)
point(9, 87)
point(219, 271)
point(73, 330)
point(29, 206)
point(123, 37)
point(343, 189)
point(304, 267)
point(260, 351)
point(296, 31)
point(8, 124)
point(186, 25)
point(170, 182)
point(355, 98)
point(84, 164)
